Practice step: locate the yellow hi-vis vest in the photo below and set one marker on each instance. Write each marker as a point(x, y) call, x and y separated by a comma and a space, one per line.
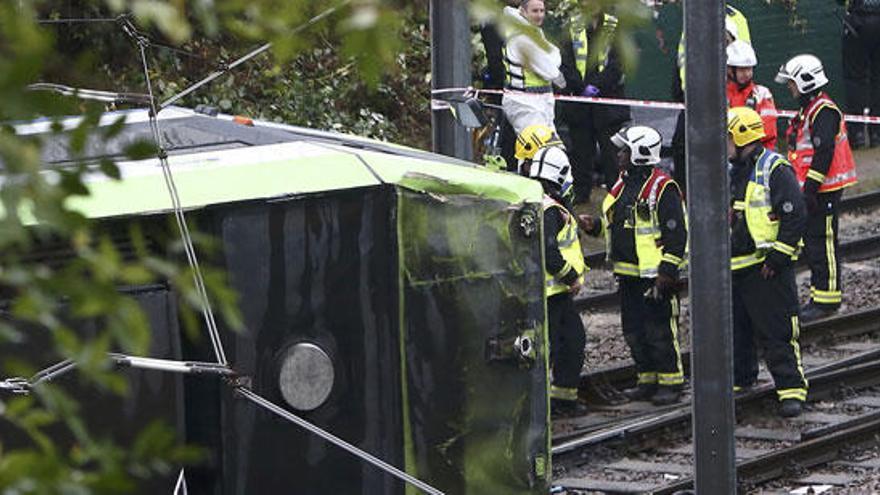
point(569, 247)
point(758, 210)
point(581, 44)
point(649, 249)
point(523, 79)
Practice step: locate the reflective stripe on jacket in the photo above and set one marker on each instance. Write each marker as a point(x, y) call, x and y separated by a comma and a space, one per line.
point(758, 210)
point(649, 249)
point(580, 43)
point(521, 78)
point(569, 248)
point(842, 172)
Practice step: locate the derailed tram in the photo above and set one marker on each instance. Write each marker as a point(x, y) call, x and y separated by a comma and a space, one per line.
point(391, 297)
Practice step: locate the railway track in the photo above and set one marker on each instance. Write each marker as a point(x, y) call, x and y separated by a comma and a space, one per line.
point(767, 447)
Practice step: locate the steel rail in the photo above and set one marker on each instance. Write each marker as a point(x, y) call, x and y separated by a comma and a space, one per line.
point(598, 386)
point(843, 325)
point(816, 446)
point(823, 379)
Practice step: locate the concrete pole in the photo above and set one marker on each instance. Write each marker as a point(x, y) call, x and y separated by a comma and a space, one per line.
point(450, 67)
point(710, 286)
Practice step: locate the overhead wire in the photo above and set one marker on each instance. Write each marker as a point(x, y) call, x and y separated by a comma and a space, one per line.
point(223, 70)
point(22, 385)
point(183, 227)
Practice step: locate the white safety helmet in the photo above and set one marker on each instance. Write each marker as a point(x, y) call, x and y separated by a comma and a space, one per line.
point(805, 70)
point(741, 54)
point(643, 142)
point(550, 164)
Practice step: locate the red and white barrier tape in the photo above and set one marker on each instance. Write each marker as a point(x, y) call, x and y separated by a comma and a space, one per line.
point(437, 104)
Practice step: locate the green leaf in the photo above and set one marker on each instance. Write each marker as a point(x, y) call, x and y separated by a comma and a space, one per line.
point(140, 150)
point(109, 168)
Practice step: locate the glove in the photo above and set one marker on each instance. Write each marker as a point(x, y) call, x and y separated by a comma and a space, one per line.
point(665, 284)
point(590, 90)
point(774, 263)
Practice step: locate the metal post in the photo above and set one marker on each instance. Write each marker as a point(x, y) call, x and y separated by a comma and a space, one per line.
point(450, 67)
point(710, 290)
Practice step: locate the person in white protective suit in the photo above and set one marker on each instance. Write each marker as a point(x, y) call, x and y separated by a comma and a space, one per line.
point(532, 65)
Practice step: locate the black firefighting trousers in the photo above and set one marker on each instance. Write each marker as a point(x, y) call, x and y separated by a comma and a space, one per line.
point(765, 313)
point(650, 327)
point(821, 247)
point(567, 342)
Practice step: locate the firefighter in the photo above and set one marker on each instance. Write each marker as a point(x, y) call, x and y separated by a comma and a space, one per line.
point(591, 68)
point(742, 91)
point(820, 152)
point(767, 219)
point(564, 265)
point(532, 65)
point(736, 28)
point(643, 218)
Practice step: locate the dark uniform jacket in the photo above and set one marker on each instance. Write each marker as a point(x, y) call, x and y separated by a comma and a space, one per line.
point(787, 205)
point(670, 216)
point(825, 127)
point(553, 260)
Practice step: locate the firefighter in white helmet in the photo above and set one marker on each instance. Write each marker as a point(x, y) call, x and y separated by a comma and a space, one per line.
point(564, 266)
point(643, 218)
point(743, 91)
point(819, 150)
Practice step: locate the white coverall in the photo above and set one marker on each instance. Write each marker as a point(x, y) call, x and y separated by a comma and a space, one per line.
point(543, 59)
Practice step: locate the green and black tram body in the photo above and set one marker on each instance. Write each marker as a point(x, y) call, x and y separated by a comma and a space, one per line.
point(390, 296)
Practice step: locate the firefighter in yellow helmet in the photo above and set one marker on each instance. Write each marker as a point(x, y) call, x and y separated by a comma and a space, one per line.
point(643, 219)
point(767, 220)
point(543, 159)
point(533, 138)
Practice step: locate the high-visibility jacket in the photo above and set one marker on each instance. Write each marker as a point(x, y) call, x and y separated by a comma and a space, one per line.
point(842, 172)
point(530, 61)
point(649, 247)
point(742, 31)
point(756, 205)
point(580, 43)
point(522, 78)
point(759, 99)
point(570, 248)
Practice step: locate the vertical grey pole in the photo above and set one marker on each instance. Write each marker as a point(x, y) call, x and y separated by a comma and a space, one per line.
point(708, 202)
point(450, 67)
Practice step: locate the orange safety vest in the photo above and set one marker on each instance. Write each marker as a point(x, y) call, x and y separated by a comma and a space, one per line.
point(842, 172)
point(759, 99)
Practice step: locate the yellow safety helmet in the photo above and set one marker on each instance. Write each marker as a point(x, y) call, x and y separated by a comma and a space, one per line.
point(745, 125)
point(533, 138)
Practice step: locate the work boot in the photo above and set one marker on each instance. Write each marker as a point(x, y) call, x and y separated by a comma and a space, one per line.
point(644, 391)
point(666, 395)
point(559, 407)
point(790, 408)
point(813, 312)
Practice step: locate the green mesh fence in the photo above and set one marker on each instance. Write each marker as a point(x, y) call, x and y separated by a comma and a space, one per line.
point(814, 26)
